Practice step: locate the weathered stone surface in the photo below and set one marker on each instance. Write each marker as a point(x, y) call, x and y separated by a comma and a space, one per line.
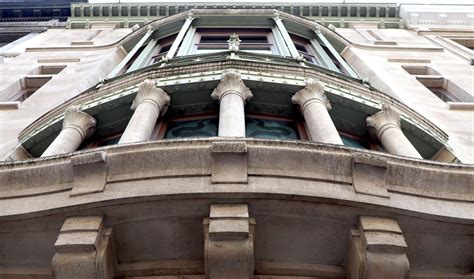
point(229, 242)
point(84, 249)
point(90, 173)
point(377, 250)
point(229, 162)
point(368, 175)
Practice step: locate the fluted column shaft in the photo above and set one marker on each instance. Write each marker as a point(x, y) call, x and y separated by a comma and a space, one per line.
point(149, 104)
point(77, 126)
point(385, 126)
point(232, 94)
point(315, 105)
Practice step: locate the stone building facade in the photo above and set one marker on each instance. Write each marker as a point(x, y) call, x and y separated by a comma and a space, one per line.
point(237, 141)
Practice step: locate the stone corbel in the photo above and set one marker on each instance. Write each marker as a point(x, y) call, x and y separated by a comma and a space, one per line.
point(368, 175)
point(84, 249)
point(377, 250)
point(229, 236)
point(229, 162)
point(90, 173)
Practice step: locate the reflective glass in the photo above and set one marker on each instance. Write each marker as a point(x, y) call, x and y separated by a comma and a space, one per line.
point(270, 129)
point(352, 142)
point(195, 128)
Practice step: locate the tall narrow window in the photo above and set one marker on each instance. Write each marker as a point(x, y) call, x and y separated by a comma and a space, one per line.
point(162, 48)
point(304, 48)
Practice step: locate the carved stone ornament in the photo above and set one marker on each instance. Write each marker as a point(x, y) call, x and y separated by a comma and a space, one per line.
point(234, 42)
point(149, 93)
point(83, 123)
point(313, 92)
point(231, 83)
point(387, 118)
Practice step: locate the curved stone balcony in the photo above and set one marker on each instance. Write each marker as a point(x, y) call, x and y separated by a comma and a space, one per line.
point(304, 200)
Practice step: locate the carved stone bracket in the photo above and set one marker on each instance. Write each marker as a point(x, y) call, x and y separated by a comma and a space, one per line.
point(231, 83)
point(90, 173)
point(368, 175)
point(229, 162)
point(377, 250)
point(149, 93)
point(84, 249)
point(229, 242)
point(313, 92)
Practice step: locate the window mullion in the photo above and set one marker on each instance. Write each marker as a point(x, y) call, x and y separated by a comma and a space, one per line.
point(280, 43)
point(287, 39)
point(179, 38)
point(129, 56)
point(334, 52)
point(188, 41)
point(322, 56)
point(144, 56)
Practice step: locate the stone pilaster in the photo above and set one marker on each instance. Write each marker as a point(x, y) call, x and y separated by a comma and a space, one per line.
point(84, 249)
point(385, 126)
point(229, 242)
point(315, 105)
point(232, 94)
point(77, 126)
point(377, 250)
point(149, 104)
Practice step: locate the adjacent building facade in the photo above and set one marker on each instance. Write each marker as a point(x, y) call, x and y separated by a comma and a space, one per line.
point(239, 141)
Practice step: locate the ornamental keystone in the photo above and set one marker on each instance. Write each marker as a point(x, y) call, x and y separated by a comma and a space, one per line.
point(231, 83)
point(149, 93)
point(313, 92)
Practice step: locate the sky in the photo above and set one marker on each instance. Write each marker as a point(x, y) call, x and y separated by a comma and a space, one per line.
point(450, 2)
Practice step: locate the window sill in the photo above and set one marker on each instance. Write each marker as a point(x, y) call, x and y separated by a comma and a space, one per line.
point(9, 105)
point(460, 105)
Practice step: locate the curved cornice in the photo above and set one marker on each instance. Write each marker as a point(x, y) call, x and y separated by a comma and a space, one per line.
point(310, 172)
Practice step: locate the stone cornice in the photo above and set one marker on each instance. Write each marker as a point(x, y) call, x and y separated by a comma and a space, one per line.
point(83, 123)
point(231, 83)
point(313, 92)
point(385, 119)
point(149, 93)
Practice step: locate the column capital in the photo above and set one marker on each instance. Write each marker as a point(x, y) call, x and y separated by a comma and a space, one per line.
point(231, 83)
point(149, 93)
point(80, 121)
point(379, 122)
point(313, 92)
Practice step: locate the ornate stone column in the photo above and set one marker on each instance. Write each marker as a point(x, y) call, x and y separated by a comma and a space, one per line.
point(315, 105)
point(149, 104)
point(385, 126)
point(77, 126)
point(232, 94)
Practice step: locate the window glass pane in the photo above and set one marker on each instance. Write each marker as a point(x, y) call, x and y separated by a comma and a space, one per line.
point(270, 129)
point(196, 128)
point(348, 141)
point(110, 141)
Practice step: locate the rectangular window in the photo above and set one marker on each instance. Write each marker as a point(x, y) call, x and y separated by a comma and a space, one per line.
point(163, 46)
point(27, 86)
point(304, 48)
point(252, 40)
